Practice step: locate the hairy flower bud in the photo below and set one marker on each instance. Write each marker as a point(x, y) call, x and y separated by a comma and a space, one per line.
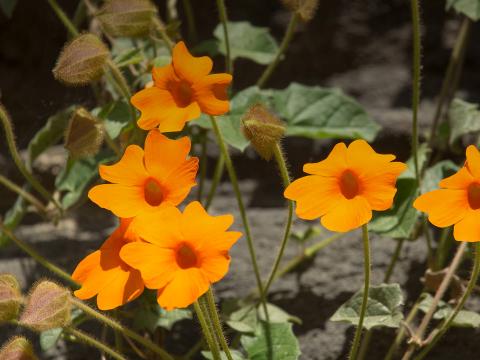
point(18, 348)
point(10, 298)
point(305, 9)
point(84, 134)
point(81, 61)
point(263, 129)
point(48, 306)
point(127, 17)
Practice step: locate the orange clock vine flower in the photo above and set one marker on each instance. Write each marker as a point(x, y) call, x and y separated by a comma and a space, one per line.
point(105, 275)
point(183, 253)
point(344, 188)
point(181, 91)
point(145, 180)
point(457, 202)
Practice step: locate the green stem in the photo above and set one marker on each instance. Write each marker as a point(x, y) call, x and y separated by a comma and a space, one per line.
point(217, 176)
point(63, 18)
point(453, 64)
point(233, 179)
point(203, 163)
point(416, 82)
point(282, 49)
point(212, 309)
point(446, 325)
point(363, 309)
point(10, 136)
point(115, 325)
point(122, 85)
point(163, 34)
point(88, 340)
point(192, 33)
point(24, 194)
point(37, 257)
point(222, 13)
point(444, 245)
point(436, 300)
point(282, 166)
point(206, 331)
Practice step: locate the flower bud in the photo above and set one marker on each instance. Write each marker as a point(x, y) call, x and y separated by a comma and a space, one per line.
point(127, 17)
point(10, 298)
point(305, 9)
point(263, 129)
point(84, 135)
point(48, 307)
point(18, 348)
point(81, 61)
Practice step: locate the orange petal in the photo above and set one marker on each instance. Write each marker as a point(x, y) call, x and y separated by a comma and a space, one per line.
point(163, 76)
point(124, 201)
point(179, 182)
point(333, 165)
point(129, 170)
point(444, 207)
point(468, 229)
point(166, 231)
point(347, 215)
point(185, 288)
point(211, 93)
point(124, 286)
point(473, 161)
point(460, 180)
point(86, 267)
point(215, 267)
point(188, 67)
point(196, 223)
point(315, 195)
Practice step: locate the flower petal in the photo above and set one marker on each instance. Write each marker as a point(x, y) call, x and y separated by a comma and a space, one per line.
point(166, 231)
point(473, 161)
point(347, 215)
point(179, 183)
point(460, 180)
point(124, 201)
point(128, 171)
point(468, 229)
point(333, 165)
point(211, 93)
point(86, 267)
point(196, 223)
point(163, 76)
point(444, 207)
point(315, 195)
point(184, 289)
point(189, 67)
point(215, 267)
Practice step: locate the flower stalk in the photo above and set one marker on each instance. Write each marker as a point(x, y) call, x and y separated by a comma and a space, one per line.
point(416, 42)
point(222, 13)
point(212, 344)
point(90, 341)
point(217, 176)
point(24, 194)
point(212, 309)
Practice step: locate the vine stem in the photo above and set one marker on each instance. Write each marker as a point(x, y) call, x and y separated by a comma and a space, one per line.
point(10, 136)
point(115, 325)
point(122, 84)
point(281, 50)
point(212, 309)
point(363, 308)
point(217, 176)
point(415, 10)
point(282, 166)
point(63, 18)
point(438, 296)
point(36, 256)
point(437, 335)
point(222, 13)
point(192, 32)
point(24, 194)
point(206, 331)
point(89, 340)
point(203, 162)
point(163, 34)
point(233, 179)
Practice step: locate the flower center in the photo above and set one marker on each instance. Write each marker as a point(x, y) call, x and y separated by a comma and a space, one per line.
point(186, 257)
point(349, 184)
point(474, 196)
point(182, 92)
point(153, 192)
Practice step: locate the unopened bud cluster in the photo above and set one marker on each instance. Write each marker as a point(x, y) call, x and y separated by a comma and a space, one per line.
point(263, 129)
point(84, 135)
point(18, 348)
point(305, 9)
point(10, 298)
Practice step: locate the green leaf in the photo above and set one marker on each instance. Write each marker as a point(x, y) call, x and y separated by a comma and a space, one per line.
point(49, 338)
point(247, 41)
point(277, 315)
point(470, 8)
point(77, 175)
point(383, 307)
point(464, 118)
point(115, 116)
point(308, 111)
point(437, 172)
point(7, 7)
point(151, 317)
point(13, 217)
point(168, 318)
point(236, 355)
point(284, 344)
point(244, 320)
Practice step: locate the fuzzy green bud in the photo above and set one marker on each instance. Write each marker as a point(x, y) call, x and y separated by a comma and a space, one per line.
point(305, 9)
point(84, 135)
point(81, 61)
point(47, 307)
point(127, 18)
point(263, 129)
point(18, 348)
point(10, 298)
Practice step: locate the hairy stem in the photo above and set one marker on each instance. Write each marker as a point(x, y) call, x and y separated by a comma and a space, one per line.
point(212, 344)
point(203, 163)
point(63, 18)
point(222, 13)
point(24, 194)
point(212, 309)
point(217, 176)
point(90, 341)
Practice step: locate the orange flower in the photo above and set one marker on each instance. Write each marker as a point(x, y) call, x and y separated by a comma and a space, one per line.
point(344, 188)
point(184, 253)
point(145, 180)
point(104, 274)
point(458, 201)
point(181, 91)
